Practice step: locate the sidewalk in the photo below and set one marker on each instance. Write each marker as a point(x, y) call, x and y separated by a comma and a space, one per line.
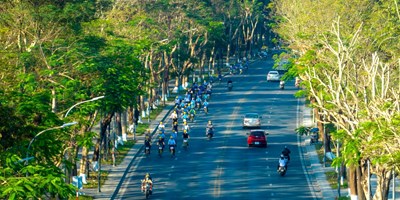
point(117, 173)
point(315, 169)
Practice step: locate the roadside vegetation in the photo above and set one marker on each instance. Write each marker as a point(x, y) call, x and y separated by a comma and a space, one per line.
point(347, 59)
point(76, 71)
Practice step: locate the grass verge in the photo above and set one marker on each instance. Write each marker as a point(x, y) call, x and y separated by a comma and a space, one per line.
point(331, 176)
point(92, 179)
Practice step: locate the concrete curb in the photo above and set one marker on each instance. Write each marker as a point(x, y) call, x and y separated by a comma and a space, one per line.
point(316, 170)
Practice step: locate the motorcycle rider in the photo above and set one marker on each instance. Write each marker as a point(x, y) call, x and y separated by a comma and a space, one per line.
point(185, 117)
point(286, 152)
point(282, 162)
point(210, 128)
point(149, 180)
point(161, 142)
point(229, 84)
point(147, 143)
point(161, 127)
point(186, 127)
point(177, 101)
point(198, 102)
point(175, 127)
point(282, 84)
point(174, 135)
point(206, 96)
point(161, 135)
point(205, 105)
point(192, 112)
point(174, 116)
point(185, 136)
point(172, 143)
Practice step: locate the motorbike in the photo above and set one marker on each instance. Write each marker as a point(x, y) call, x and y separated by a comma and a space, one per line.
point(191, 117)
point(147, 190)
point(282, 170)
point(185, 143)
point(209, 133)
point(206, 109)
point(230, 86)
point(172, 150)
point(282, 85)
point(147, 150)
point(160, 151)
point(198, 105)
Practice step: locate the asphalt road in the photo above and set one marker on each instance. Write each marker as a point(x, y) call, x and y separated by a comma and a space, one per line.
point(225, 168)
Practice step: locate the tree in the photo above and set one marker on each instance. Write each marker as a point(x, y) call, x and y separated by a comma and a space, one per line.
point(333, 53)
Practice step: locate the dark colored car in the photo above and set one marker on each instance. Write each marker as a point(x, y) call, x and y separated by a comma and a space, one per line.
point(257, 138)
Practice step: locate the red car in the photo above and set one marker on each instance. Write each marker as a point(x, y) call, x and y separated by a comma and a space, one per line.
point(257, 137)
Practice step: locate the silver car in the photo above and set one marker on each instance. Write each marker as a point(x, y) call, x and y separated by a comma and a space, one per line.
point(273, 76)
point(252, 120)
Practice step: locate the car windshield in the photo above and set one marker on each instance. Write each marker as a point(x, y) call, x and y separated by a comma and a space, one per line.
point(251, 116)
point(257, 133)
point(273, 73)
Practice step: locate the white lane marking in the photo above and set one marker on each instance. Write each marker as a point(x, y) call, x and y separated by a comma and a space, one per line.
point(267, 167)
point(176, 158)
point(169, 174)
point(172, 166)
point(266, 152)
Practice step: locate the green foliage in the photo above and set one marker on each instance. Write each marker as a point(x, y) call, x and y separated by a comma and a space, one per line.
point(302, 130)
point(32, 181)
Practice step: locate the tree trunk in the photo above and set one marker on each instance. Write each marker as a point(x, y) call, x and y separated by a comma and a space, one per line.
point(360, 191)
point(124, 126)
point(383, 177)
point(118, 122)
point(83, 161)
point(103, 136)
point(352, 180)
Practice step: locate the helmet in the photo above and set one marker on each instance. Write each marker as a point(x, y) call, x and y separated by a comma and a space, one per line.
point(160, 137)
point(209, 122)
point(147, 175)
point(171, 137)
point(160, 122)
point(282, 156)
point(184, 122)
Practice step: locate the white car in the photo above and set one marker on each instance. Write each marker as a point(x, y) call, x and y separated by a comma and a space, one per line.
point(273, 76)
point(252, 120)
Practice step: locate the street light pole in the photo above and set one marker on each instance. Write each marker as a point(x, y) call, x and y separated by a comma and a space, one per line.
point(41, 132)
point(93, 99)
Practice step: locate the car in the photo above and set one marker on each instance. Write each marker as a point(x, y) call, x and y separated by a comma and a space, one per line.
point(273, 76)
point(252, 120)
point(257, 137)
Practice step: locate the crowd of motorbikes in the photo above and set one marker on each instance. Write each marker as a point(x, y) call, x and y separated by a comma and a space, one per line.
point(186, 108)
